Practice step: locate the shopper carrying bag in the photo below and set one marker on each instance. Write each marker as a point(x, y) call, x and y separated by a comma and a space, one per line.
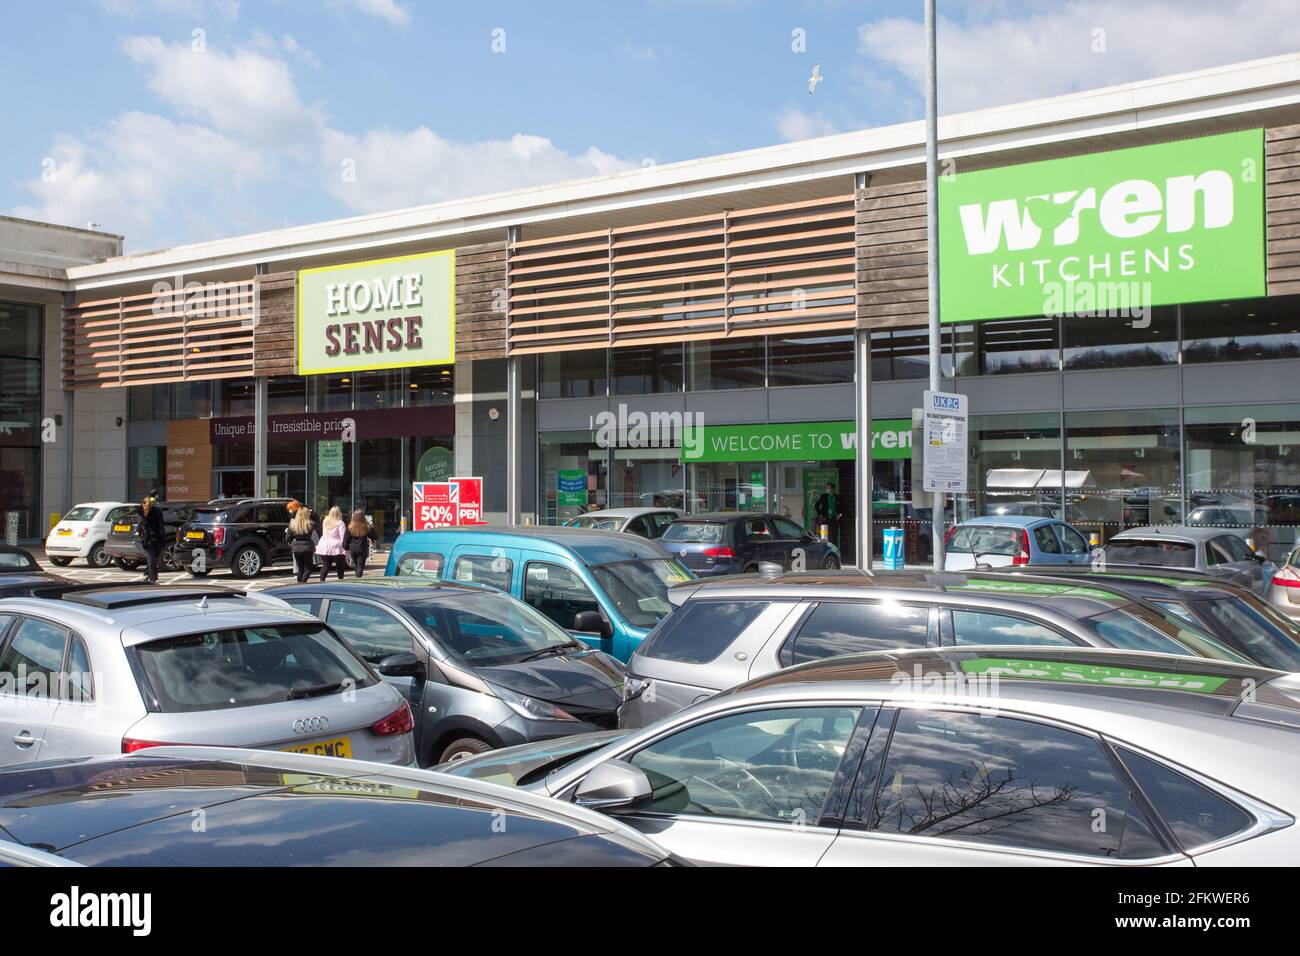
point(357, 539)
point(330, 545)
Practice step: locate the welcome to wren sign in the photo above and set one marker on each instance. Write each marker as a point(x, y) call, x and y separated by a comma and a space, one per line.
point(1151, 225)
point(384, 313)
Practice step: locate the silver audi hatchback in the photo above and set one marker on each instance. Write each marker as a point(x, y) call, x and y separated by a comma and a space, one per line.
point(117, 670)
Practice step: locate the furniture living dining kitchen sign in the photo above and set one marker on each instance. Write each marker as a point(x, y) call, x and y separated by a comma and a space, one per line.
point(378, 314)
point(1105, 233)
point(453, 503)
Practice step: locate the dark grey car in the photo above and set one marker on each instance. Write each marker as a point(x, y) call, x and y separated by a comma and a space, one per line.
point(1215, 551)
point(735, 629)
point(480, 669)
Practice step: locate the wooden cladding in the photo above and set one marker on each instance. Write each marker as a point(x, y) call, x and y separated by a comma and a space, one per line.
point(786, 268)
point(273, 335)
point(1282, 209)
point(480, 303)
point(891, 255)
point(204, 332)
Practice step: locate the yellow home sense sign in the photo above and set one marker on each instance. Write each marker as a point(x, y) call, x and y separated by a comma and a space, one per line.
point(384, 313)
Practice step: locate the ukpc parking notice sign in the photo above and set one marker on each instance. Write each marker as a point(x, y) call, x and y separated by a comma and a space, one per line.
point(946, 417)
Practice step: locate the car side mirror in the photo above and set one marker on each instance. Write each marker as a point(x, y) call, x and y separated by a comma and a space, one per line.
point(614, 786)
point(401, 665)
point(592, 622)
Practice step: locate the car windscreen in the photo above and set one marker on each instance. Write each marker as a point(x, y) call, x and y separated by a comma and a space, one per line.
point(598, 523)
point(1252, 630)
point(1158, 552)
point(695, 532)
point(484, 628)
point(639, 589)
point(243, 667)
point(81, 514)
point(17, 561)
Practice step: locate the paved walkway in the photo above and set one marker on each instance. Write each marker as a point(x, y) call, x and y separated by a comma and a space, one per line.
point(273, 576)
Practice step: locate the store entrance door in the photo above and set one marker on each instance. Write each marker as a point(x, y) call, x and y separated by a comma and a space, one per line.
point(280, 483)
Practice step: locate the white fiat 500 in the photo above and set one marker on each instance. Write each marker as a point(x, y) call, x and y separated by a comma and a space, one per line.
point(81, 532)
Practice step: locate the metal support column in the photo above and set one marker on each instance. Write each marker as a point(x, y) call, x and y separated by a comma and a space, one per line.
point(932, 244)
point(514, 414)
point(259, 422)
point(862, 402)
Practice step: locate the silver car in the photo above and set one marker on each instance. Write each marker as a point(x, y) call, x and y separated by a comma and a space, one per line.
point(1215, 551)
point(645, 522)
point(117, 670)
point(731, 630)
point(961, 757)
point(1284, 587)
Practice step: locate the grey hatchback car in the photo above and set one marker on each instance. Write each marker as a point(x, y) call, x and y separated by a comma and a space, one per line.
point(1214, 551)
point(735, 629)
point(119, 670)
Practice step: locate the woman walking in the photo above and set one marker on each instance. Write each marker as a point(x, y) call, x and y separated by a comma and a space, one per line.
point(330, 545)
point(357, 539)
point(303, 537)
point(152, 535)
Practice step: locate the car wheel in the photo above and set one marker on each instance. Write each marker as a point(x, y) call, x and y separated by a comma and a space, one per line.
point(98, 557)
point(127, 564)
point(464, 747)
point(750, 569)
point(247, 562)
point(831, 563)
point(168, 559)
point(60, 562)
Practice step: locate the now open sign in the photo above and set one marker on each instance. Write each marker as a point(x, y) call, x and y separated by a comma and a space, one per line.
point(453, 503)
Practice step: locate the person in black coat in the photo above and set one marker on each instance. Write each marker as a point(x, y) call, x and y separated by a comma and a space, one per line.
point(303, 535)
point(153, 536)
point(357, 539)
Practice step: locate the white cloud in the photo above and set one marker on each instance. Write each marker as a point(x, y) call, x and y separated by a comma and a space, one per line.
point(396, 168)
point(285, 43)
point(1005, 51)
point(137, 171)
point(198, 9)
point(387, 10)
point(245, 93)
point(640, 54)
point(793, 124)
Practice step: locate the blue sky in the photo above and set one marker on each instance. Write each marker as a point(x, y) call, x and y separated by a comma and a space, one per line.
point(181, 120)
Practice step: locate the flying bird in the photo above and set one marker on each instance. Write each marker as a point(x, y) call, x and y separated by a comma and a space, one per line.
point(815, 78)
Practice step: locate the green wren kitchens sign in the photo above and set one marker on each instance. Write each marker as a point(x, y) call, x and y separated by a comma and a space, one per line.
point(796, 441)
point(1105, 233)
point(385, 313)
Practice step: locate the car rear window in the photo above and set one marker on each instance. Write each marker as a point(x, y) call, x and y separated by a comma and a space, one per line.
point(243, 667)
point(1158, 552)
point(985, 540)
point(17, 561)
point(80, 514)
point(1195, 814)
point(695, 532)
point(700, 631)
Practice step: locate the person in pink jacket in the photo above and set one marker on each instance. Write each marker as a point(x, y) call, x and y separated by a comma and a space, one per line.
point(330, 546)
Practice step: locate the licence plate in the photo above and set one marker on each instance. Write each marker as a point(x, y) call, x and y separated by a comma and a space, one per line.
point(194, 535)
point(121, 527)
point(65, 532)
point(338, 747)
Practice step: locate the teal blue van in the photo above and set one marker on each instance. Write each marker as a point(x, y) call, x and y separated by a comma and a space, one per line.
point(607, 588)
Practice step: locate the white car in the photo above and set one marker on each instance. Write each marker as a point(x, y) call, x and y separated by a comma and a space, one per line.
point(81, 532)
point(645, 522)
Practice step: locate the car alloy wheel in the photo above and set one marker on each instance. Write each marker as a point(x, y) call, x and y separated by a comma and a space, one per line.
point(169, 560)
point(247, 563)
point(98, 557)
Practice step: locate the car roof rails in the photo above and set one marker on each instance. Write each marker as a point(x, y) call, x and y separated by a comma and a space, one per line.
point(112, 597)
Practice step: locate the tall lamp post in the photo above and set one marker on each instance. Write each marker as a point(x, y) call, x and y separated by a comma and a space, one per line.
point(932, 243)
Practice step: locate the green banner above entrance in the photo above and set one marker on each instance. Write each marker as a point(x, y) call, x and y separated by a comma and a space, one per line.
point(796, 441)
point(1107, 234)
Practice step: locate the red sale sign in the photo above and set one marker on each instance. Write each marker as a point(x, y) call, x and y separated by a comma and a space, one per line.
point(447, 504)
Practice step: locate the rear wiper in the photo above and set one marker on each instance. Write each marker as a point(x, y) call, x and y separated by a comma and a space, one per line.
point(298, 693)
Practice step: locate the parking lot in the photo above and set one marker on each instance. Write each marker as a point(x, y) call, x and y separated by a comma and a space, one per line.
point(273, 576)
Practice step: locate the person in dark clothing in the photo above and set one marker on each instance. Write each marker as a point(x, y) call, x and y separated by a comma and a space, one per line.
point(152, 536)
point(357, 539)
point(828, 511)
point(302, 542)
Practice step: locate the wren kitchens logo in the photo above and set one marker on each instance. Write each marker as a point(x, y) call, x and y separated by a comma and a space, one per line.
point(1105, 233)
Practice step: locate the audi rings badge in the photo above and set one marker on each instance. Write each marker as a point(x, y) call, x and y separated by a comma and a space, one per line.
point(311, 725)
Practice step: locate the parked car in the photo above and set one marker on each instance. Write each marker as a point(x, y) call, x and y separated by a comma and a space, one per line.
point(1235, 616)
point(242, 534)
point(644, 522)
point(608, 589)
point(480, 669)
point(21, 574)
point(1219, 517)
point(1037, 509)
point(730, 542)
point(123, 543)
point(896, 759)
point(109, 670)
point(1013, 540)
point(81, 533)
point(728, 631)
point(1284, 587)
point(286, 809)
point(1210, 550)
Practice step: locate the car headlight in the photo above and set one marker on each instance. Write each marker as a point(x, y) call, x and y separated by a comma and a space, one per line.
point(530, 707)
point(633, 687)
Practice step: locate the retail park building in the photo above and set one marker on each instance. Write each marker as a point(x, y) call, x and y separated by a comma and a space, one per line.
point(1120, 275)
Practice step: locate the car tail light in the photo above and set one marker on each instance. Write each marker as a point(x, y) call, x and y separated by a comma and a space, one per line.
point(719, 553)
point(1023, 557)
point(131, 745)
point(1287, 578)
point(399, 721)
point(219, 536)
point(948, 537)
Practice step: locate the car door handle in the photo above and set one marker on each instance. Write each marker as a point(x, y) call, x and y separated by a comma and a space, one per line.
point(24, 739)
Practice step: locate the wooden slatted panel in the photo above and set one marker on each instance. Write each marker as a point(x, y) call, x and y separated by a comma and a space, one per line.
point(745, 272)
point(275, 345)
point(480, 301)
point(891, 255)
point(1282, 209)
point(205, 332)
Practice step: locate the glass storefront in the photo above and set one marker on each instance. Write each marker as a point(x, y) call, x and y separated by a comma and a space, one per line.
point(20, 421)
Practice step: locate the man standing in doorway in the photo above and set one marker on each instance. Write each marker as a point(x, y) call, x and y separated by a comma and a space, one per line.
point(828, 512)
